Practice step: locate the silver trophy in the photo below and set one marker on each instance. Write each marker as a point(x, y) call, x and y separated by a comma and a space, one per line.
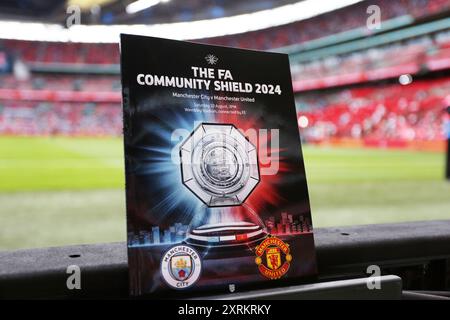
point(220, 166)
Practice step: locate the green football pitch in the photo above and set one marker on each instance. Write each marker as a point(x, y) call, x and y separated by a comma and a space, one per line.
point(59, 191)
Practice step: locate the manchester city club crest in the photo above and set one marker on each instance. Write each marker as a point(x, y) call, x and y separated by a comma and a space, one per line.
point(273, 258)
point(181, 267)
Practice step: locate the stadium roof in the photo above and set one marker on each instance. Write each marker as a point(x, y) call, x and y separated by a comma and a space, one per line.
point(133, 11)
point(239, 23)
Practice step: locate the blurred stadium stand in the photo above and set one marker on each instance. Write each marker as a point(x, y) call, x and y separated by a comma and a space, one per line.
point(345, 76)
point(387, 114)
point(347, 19)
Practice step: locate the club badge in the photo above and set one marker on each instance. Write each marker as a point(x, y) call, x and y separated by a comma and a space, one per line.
point(181, 267)
point(273, 258)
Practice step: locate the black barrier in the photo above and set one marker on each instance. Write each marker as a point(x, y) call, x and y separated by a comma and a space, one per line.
point(417, 252)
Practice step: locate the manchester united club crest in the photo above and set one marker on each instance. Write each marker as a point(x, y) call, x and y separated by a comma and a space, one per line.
point(273, 258)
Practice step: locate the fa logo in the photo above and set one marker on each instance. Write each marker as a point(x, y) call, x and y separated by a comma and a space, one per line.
point(211, 59)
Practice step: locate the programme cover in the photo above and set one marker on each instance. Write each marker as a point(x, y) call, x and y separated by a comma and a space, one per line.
point(216, 192)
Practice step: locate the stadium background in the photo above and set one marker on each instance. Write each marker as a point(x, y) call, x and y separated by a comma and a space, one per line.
point(370, 107)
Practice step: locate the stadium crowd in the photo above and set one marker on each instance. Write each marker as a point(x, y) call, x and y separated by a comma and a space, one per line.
point(410, 54)
point(412, 112)
point(60, 118)
point(50, 52)
point(85, 83)
point(389, 112)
